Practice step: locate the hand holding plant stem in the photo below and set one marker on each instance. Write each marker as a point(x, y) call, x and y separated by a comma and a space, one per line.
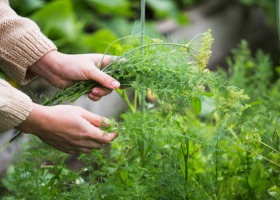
point(62, 70)
point(150, 70)
point(70, 129)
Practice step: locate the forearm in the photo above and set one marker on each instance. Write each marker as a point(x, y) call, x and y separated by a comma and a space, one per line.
point(15, 106)
point(21, 44)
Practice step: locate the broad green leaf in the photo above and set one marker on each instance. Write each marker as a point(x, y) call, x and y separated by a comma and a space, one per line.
point(56, 19)
point(163, 8)
point(99, 40)
point(25, 7)
point(116, 7)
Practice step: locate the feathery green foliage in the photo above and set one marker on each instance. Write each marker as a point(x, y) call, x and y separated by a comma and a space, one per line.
point(168, 69)
point(203, 139)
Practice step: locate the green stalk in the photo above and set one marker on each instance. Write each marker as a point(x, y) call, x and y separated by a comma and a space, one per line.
point(278, 16)
point(135, 99)
point(216, 166)
point(269, 146)
point(142, 20)
point(124, 96)
point(267, 159)
point(203, 190)
point(185, 151)
point(247, 171)
point(143, 12)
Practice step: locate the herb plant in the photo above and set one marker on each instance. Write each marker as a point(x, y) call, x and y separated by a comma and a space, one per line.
point(202, 139)
point(208, 135)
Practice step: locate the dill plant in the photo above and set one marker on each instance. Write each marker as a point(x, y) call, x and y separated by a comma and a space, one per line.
point(169, 150)
point(168, 69)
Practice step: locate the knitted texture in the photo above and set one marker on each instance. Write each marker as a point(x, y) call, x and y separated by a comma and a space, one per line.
point(21, 44)
point(15, 106)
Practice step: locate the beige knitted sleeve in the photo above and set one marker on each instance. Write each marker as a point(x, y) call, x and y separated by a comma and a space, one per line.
point(15, 106)
point(21, 44)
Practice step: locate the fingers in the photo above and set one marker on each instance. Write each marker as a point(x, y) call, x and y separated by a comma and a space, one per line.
point(94, 141)
point(101, 59)
point(100, 76)
point(104, 79)
point(97, 93)
point(86, 147)
point(73, 129)
point(94, 132)
point(94, 119)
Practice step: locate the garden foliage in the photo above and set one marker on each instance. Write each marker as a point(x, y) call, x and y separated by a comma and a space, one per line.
point(209, 135)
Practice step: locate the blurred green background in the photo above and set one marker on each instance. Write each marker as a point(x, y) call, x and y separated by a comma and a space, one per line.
point(79, 26)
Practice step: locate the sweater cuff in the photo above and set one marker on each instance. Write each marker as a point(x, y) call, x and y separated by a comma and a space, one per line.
point(29, 49)
point(15, 106)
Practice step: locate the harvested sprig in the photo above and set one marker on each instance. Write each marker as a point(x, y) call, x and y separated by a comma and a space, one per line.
point(166, 68)
point(170, 70)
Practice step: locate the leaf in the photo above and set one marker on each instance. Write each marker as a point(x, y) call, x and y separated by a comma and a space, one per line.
point(274, 191)
point(26, 6)
point(56, 19)
point(182, 19)
point(256, 180)
point(208, 94)
point(116, 7)
point(99, 40)
point(196, 105)
point(162, 8)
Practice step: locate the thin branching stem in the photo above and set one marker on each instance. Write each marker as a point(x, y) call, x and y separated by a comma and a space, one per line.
point(124, 96)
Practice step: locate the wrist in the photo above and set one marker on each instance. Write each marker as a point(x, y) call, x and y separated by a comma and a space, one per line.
point(47, 65)
point(33, 121)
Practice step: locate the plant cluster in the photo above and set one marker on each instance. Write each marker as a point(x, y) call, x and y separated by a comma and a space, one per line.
point(209, 135)
point(203, 138)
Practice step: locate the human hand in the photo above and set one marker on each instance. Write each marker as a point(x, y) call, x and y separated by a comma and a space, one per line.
point(62, 70)
point(70, 129)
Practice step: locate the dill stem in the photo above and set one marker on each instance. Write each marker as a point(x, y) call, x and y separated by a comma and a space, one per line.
point(135, 99)
point(209, 197)
point(186, 159)
point(278, 16)
point(268, 146)
point(143, 2)
point(124, 96)
point(267, 159)
point(247, 171)
point(142, 20)
point(151, 45)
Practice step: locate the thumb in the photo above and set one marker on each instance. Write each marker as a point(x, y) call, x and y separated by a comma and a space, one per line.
point(104, 79)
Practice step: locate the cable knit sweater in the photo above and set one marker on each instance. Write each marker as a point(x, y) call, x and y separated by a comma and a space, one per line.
point(21, 45)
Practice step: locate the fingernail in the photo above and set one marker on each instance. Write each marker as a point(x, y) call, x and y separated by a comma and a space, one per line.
point(95, 91)
point(115, 84)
